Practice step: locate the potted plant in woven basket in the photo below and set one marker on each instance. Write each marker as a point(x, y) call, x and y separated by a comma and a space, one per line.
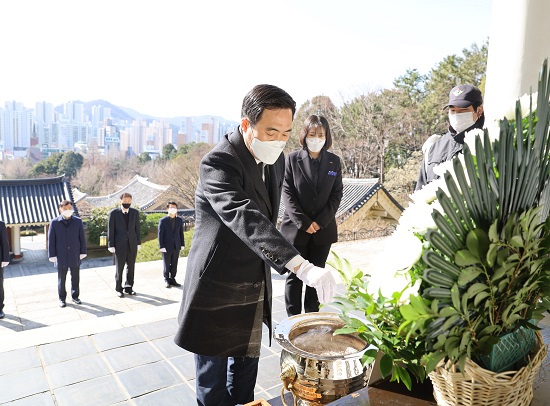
point(465, 278)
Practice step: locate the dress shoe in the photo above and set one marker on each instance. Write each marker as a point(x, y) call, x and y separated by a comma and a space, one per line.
point(62, 303)
point(2, 315)
point(174, 283)
point(167, 284)
point(77, 301)
point(120, 294)
point(131, 292)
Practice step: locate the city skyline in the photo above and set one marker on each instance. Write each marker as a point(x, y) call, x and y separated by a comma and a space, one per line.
point(77, 126)
point(177, 58)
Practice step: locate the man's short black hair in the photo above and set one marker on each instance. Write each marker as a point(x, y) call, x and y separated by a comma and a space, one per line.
point(63, 203)
point(169, 203)
point(263, 97)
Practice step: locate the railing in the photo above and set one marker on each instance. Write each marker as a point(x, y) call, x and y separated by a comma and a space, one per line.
point(364, 233)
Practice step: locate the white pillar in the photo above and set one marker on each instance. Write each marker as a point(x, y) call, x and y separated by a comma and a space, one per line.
point(519, 41)
point(16, 241)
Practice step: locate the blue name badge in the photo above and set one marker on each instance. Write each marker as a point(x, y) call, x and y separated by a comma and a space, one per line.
point(331, 173)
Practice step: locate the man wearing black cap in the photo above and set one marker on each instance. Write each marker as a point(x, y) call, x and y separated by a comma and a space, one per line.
point(465, 113)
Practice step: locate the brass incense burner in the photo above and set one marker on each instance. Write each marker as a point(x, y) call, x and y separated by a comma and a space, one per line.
point(317, 366)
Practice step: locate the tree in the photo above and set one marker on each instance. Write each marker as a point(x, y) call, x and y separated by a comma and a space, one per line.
point(401, 180)
point(48, 166)
point(168, 151)
point(144, 157)
point(182, 173)
point(18, 168)
point(70, 163)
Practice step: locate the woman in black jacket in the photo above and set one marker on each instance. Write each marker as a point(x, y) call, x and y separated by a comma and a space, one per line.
point(312, 191)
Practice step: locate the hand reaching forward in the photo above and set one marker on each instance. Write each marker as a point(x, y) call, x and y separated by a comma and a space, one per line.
point(319, 278)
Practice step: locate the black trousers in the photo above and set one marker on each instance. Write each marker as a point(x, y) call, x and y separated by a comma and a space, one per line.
point(170, 259)
point(75, 281)
point(317, 255)
point(1, 288)
point(225, 381)
point(127, 258)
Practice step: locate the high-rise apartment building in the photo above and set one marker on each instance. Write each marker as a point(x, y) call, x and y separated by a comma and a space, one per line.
point(43, 120)
point(73, 112)
point(17, 126)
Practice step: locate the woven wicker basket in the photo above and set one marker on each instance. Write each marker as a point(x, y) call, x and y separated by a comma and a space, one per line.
point(478, 386)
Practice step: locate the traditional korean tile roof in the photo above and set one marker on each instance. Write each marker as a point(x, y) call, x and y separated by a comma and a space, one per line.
point(144, 194)
point(33, 201)
point(356, 194)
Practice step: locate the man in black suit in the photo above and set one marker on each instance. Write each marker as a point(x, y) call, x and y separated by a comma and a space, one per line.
point(4, 261)
point(227, 288)
point(171, 242)
point(124, 242)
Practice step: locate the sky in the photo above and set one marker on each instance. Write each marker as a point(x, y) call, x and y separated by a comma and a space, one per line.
point(170, 58)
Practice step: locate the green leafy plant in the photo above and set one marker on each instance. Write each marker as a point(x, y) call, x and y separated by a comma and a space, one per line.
point(484, 263)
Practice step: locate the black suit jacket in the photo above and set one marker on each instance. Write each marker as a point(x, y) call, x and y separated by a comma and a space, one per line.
point(168, 238)
point(234, 245)
point(124, 238)
point(306, 202)
point(4, 244)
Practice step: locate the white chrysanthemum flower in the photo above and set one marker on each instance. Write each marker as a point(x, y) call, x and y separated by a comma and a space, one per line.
point(470, 138)
point(417, 218)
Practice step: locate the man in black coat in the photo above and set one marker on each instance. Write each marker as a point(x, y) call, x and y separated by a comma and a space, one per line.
point(170, 235)
point(4, 261)
point(124, 241)
point(66, 249)
point(227, 288)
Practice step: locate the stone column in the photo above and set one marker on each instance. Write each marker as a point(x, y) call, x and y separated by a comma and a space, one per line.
point(16, 241)
point(518, 44)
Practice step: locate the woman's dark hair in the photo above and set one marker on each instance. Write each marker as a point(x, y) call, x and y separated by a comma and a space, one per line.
point(312, 122)
point(263, 97)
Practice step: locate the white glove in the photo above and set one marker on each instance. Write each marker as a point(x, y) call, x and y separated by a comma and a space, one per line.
point(163, 250)
point(139, 247)
point(82, 256)
point(52, 259)
point(319, 278)
point(111, 250)
point(5, 264)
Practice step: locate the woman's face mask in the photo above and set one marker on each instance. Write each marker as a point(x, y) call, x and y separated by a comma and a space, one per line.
point(315, 144)
point(267, 151)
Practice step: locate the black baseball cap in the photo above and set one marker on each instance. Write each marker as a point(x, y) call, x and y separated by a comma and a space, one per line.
point(464, 96)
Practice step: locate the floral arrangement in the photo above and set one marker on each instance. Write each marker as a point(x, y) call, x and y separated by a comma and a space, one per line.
point(468, 261)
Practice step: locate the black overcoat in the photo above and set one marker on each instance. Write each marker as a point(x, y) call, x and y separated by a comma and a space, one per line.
point(66, 242)
point(235, 243)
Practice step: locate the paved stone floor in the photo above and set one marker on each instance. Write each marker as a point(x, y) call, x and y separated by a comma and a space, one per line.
point(113, 351)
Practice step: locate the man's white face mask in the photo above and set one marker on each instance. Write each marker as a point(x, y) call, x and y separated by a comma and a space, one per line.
point(67, 213)
point(461, 121)
point(267, 151)
point(172, 210)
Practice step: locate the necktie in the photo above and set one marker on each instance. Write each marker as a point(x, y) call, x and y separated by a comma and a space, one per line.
point(264, 173)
